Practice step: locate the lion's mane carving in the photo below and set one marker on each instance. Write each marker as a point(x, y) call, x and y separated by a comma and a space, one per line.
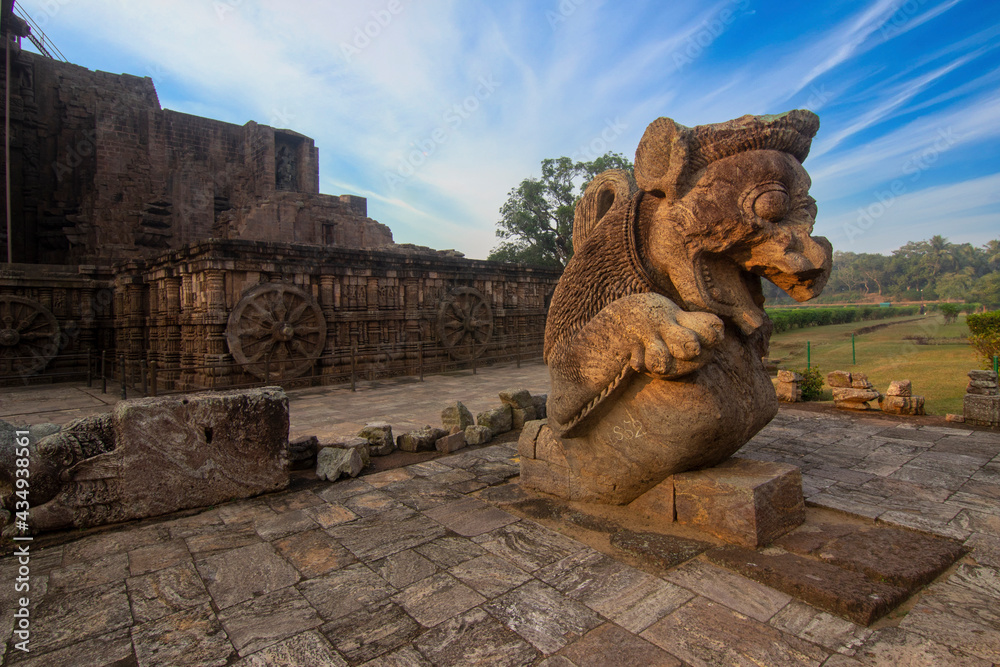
point(656, 329)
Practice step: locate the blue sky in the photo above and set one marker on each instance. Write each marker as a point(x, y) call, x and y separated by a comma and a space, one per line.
point(435, 109)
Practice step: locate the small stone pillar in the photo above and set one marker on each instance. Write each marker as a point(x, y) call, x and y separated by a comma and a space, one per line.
point(899, 399)
point(789, 387)
point(851, 391)
point(982, 399)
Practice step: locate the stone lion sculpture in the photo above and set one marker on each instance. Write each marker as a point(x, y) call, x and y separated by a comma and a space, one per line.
point(656, 330)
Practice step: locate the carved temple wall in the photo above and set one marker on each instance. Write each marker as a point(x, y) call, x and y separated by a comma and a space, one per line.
point(225, 313)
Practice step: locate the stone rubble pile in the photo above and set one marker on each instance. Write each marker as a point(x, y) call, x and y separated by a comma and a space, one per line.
point(899, 399)
point(459, 429)
point(789, 387)
point(852, 391)
point(981, 405)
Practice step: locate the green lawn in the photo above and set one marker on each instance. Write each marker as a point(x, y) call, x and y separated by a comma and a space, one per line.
point(937, 371)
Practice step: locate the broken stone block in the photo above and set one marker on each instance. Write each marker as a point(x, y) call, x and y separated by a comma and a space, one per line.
point(302, 453)
point(451, 443)
point(899, 388)
point(789, 387)
point(855, 396)
point(981, 410)
point(355, 442)
point(838, 379)
point(170, 453)
point(456, 415)
point(902, 405)
point(982, 383)
point(516, 398)
point(477, 435)
point(423, 440)
point(539, 402)
point(741, 501)
point(860, 381)
point(379, 437)
point(332, 462)
point(519, 416)
point(788, 392)
point(789, 376)
point(956, 419)
point(498, 420)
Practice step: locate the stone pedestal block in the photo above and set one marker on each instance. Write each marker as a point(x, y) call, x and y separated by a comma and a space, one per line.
point(741, 501)
point(982, 410)
point(657, 504)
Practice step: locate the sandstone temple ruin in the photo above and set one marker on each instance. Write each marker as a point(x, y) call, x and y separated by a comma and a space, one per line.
point(204, 250)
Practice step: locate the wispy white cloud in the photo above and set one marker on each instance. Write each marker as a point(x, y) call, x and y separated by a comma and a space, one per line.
point(960, 211)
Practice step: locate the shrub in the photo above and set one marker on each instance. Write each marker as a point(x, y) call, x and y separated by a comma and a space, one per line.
point(950, 312)
point(984, 335)
point(812, 383)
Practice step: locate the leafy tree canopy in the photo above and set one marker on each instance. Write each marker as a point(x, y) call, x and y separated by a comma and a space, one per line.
point(932, 269)
point(536, 221)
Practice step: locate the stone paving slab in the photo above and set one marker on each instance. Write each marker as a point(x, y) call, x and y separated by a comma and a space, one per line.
point(394, 578)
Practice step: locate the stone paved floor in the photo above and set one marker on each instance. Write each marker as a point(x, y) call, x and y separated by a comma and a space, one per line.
point(408, 567)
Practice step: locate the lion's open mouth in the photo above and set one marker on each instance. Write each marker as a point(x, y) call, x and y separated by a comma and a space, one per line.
point(731, 291)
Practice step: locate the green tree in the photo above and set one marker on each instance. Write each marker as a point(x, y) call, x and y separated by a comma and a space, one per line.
point(536, 221)
point(987, 290)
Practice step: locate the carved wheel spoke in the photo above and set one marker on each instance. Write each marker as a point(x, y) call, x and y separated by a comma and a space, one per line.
point(28, 335)
point(465, 323)
point(276, 330)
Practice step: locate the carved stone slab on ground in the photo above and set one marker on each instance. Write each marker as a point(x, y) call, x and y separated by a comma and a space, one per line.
point(174, 453)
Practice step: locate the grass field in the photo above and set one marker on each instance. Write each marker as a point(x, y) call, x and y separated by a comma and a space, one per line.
point(937, 370)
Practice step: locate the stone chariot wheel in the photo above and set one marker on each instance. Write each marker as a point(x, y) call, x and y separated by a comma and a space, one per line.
point(28, 335)
point(465, 323)
point(276, 330)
